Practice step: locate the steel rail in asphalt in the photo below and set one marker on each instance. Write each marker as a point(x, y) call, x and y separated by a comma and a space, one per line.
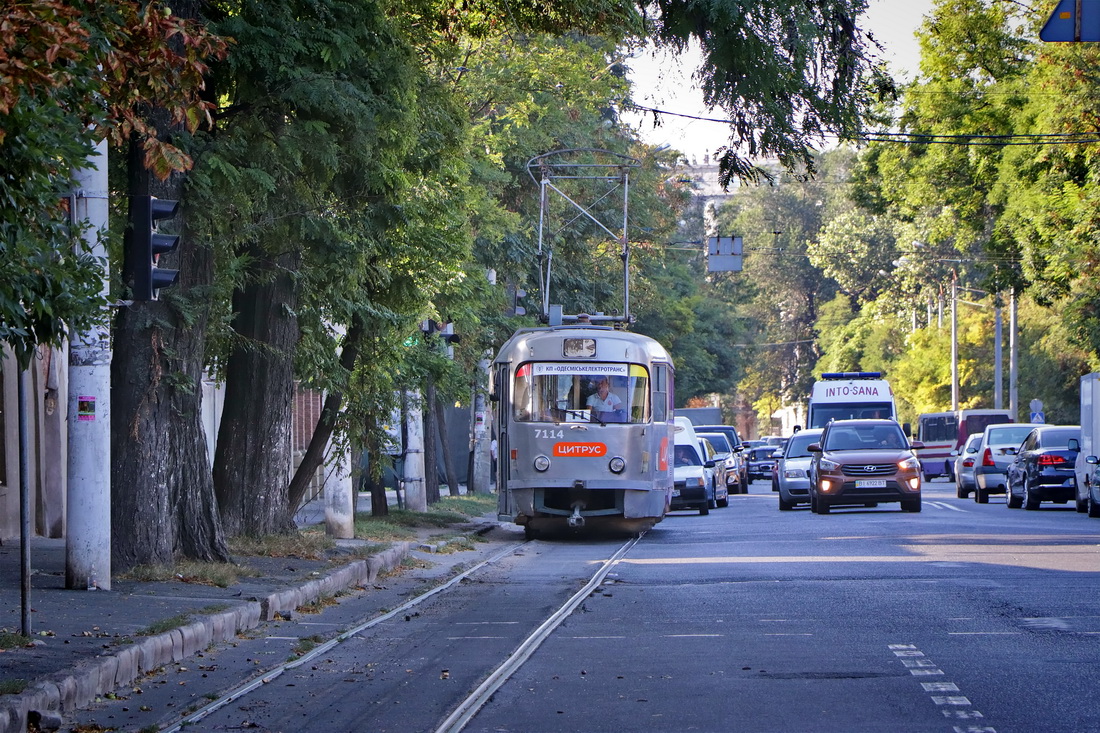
point(317, 651)
point(469, 707)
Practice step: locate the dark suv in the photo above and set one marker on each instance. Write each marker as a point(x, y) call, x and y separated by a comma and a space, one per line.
point(864, 463)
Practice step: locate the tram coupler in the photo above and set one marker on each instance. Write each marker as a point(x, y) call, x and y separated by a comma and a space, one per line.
point(575, 519)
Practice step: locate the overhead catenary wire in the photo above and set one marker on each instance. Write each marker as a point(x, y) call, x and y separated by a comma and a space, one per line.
point(916, 138)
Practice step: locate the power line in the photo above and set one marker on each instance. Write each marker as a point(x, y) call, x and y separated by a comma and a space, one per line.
point(914, 138)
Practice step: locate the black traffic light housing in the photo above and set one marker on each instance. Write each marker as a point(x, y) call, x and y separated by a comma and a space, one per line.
point(145, 246)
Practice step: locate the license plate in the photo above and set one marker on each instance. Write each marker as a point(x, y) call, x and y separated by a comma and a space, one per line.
point(871, 483)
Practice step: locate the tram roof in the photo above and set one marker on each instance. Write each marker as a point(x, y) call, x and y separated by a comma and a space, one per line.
point(527, 343)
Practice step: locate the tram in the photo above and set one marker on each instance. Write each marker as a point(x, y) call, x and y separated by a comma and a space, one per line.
point(584, 424)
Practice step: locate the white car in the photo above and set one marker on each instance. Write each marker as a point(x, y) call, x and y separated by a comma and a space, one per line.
point(991, 465)
point(965, 461)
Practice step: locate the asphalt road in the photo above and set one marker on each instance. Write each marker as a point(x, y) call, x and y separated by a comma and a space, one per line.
point(963, 617)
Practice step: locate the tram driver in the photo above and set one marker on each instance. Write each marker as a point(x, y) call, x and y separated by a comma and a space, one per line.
point(605, 405)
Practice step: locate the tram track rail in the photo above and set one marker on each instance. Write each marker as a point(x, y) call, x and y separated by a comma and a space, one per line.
point(468, 708)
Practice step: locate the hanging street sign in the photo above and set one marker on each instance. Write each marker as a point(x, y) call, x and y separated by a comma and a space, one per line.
point(724, 254)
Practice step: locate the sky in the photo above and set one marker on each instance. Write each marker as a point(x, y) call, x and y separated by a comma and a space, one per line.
point(663, 82)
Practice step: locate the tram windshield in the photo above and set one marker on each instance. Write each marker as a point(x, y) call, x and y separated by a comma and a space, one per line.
point(575, 392)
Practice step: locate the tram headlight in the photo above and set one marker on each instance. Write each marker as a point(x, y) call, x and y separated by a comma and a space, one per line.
point(542, 463)
point(617, 464)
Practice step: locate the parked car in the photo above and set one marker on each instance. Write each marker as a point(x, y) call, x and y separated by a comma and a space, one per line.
point(693, 479)
point(793, 472)
point(990, 470)
point(1043, 467)
point(737, 446)
point(760, 462)
point(864, 462)
point(725, 454)
point(965, 460)
point(718, 474)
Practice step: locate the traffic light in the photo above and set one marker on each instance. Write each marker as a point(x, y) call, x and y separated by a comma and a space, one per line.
point(517, 308)
point(145, 246)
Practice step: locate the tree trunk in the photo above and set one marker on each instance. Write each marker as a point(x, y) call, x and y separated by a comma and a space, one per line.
point(253, 455)
point(162, 493)
point(448, 460)
point(322, 432)
point(431, 463)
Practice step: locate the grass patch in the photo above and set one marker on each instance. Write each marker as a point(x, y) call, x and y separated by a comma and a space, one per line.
point(220, 574)
point(458, 543)
point(11, 640)
point(402, 524)
point(311, 544)
point(12, 686)
point(472, 505)
point(305, 645)
point(167, 624)
point(318, 605)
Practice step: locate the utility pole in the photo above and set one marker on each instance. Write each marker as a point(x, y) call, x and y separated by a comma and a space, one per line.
point(416, 499)
point(480, 481)
point(998, 356)
point(88, 501)
point(954, 343)
point(1013, 369)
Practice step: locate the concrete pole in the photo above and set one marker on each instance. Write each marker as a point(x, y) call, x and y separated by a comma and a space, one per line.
point(998, 356)
point(482, 437)
point(954, 344)
point(339, 496)
point(88, 500)
point(416, 498)
point(1013, 369)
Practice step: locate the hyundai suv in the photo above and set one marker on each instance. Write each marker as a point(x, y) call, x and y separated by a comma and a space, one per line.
point(864, 463)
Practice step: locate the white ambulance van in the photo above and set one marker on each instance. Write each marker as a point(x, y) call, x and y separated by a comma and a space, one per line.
point(850, 395)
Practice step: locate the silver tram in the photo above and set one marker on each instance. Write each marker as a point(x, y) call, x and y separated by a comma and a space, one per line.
point(584, 428)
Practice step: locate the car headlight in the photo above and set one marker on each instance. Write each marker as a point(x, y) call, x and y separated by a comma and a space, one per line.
point(695, 481)
point(542, 463)
point(826, 465)
point(616, 464)
point(794, 473)
point(910, 462)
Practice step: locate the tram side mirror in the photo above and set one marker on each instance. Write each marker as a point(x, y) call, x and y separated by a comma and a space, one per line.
point(494, 397)
point(907, 429)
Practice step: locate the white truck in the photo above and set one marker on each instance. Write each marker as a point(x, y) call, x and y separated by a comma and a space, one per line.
point(848, 395)
point(1090, 436)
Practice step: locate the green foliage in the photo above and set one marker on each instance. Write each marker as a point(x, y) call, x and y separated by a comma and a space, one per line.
point(811, 72)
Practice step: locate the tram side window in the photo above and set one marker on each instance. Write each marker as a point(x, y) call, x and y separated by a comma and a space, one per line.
point(567, 392)
point(660, 393)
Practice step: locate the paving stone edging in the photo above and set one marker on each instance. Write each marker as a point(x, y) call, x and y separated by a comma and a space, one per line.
point(46, 700)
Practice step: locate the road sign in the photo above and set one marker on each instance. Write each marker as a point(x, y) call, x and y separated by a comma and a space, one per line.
point(724, 254)
point(1073, 21)
point(1038, 417)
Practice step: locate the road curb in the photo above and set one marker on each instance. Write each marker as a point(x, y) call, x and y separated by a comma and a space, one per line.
point(44, 702)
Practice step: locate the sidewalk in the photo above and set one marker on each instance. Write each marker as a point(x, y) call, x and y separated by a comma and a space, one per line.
point(88, 643)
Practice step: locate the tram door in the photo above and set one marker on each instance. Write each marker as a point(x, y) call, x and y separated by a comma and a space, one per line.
point(502, 414)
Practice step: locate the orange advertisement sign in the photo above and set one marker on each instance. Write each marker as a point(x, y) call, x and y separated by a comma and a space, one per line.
point(575, 450)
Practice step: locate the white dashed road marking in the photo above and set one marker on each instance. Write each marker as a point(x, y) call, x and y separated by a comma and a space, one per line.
point(953, 707)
